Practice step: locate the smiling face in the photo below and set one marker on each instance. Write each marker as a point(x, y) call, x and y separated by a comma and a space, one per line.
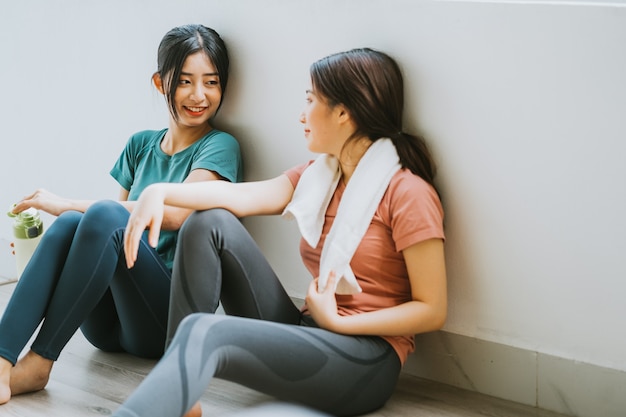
point(198, 92)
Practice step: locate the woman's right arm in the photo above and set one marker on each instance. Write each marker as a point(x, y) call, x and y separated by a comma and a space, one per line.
point(50, 203)
point(242, 199)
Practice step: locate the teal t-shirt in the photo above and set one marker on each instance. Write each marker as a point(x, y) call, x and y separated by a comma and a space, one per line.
point(142, 163)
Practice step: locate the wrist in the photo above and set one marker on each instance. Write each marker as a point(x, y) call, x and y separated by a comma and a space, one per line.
point(336, 323)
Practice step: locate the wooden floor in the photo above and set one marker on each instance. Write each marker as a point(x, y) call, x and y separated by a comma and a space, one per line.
point(87, 382)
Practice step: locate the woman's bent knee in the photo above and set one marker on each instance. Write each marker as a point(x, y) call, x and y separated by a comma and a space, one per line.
point(212, 217)
point(104, 217)
point(104, 209)
point(201, 223)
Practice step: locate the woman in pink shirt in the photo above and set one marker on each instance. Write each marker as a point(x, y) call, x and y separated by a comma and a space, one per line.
point(342, 352)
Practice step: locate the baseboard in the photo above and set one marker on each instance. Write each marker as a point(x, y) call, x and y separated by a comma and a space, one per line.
point(544, 381)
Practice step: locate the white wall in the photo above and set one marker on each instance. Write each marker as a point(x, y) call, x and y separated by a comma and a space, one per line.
point(523, 104)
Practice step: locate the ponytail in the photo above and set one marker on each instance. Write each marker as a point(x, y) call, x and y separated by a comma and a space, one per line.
point(415, 156)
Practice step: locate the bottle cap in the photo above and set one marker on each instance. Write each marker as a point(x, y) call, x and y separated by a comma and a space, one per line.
point(27, 224)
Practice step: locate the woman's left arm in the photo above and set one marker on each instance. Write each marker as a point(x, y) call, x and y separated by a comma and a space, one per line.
point(425, 312)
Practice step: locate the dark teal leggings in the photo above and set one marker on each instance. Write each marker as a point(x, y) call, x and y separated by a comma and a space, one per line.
point(78, 277)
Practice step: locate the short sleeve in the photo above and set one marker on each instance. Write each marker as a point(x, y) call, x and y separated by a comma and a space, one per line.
point(123, 170)
point(414, 209)
point(295, 173)
point(221, 154)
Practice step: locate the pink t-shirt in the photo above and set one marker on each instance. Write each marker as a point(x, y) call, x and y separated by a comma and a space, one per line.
point(409, 212)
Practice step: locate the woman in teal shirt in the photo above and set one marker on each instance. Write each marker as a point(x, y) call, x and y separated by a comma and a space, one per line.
point(78, 276)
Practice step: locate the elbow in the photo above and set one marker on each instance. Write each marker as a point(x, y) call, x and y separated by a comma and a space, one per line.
point(439, 311)
point(439, 320)
point(438, 317)
point(429, 320)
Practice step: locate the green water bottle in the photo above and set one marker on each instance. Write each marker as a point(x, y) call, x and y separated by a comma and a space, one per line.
point(27, 229)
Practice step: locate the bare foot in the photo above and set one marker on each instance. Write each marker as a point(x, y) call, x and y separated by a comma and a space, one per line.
point(5, 377)
point(195, 411)
point(31, 373)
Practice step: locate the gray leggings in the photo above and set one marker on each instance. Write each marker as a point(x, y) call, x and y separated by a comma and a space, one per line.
point(269, 347)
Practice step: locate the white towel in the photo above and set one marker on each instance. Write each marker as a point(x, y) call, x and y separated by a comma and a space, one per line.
point(354, 215)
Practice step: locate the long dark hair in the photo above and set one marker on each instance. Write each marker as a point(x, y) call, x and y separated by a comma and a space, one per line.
point(177, 45)
point(370, 85)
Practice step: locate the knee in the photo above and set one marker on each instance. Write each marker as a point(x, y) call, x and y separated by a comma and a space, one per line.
point(196, 320)
point(64, 227)
point(68, 220)
point(105, 214)
point(104, 208)
point(184, 329)
point(203, 220)
point(190, 320)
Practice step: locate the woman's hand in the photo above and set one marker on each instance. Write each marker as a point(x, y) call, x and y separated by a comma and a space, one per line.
point(45, 201)
point(147, 214)
point(323, 305)
point(425, 312)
